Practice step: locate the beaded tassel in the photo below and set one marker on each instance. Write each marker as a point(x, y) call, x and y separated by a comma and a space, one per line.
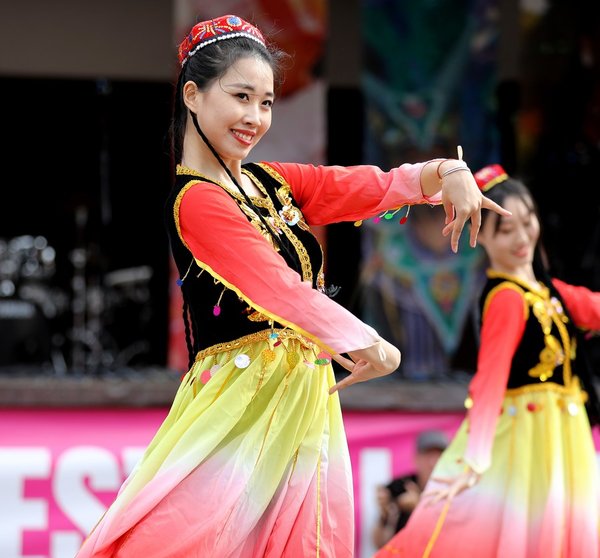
point(388, 215)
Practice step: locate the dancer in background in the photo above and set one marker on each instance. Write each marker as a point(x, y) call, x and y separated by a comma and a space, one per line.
point(520, 479)
point(252, 459)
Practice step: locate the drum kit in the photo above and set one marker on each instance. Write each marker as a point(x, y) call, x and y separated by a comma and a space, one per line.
point(90, 325)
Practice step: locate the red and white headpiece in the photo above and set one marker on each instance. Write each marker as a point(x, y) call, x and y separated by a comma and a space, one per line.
point(212, 30)
point(489, 176)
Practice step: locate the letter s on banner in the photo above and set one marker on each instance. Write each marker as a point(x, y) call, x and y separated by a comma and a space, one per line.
point(73, 467)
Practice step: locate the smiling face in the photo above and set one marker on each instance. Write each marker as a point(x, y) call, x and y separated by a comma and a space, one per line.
point(510, 241)
point(234, 111)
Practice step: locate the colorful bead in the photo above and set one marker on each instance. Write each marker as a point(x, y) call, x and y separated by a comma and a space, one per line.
point(205, 376)
point(323, 358)
point(214, 369)
point(179, 282)
point(309, 364)
point(511, 410)
point(242, 361)
point(532, 407)
point(216, 310)
point(572, 409)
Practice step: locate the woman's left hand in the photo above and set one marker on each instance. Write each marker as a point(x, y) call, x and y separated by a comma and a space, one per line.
point(462, 200)
point(453, 486)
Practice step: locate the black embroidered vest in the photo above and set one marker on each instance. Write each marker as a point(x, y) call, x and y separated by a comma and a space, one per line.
point(218, 315)
point(546, 352)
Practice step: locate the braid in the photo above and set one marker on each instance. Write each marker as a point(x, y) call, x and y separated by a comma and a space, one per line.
point(188, 334)
point(275, 237)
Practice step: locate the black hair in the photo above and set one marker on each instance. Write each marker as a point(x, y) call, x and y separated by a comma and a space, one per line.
point(209, 64)
point(515, 188)
point(500, 192)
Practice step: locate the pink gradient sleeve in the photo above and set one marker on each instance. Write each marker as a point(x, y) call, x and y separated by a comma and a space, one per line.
point(501, 332)
point(329, 194)
point(583, 304)
point(224, 243)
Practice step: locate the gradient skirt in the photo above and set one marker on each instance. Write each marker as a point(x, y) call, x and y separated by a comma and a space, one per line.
point(251, 461)
point(539, 498)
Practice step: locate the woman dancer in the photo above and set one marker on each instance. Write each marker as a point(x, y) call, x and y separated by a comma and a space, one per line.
point(524, 456)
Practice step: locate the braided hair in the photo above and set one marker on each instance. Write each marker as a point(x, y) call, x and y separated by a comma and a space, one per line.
point(206, 66)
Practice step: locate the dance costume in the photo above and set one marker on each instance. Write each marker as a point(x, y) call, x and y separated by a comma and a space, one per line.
point(526, 432)
point(252, 459)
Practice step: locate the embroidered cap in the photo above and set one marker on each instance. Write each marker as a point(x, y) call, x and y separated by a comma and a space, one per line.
point(489, 176)
point(218, 29)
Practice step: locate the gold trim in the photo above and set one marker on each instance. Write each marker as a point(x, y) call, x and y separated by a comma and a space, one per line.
point(496, 180)
point(572, 389)
point(262, 335)
point(541, 289)
point(501, 287)
point(274, 174)
point(264, 202)
point(261, 202)
point(177, 205)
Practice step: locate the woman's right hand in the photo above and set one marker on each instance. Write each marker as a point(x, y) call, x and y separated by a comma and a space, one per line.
point(375, 361)
point(453, 486)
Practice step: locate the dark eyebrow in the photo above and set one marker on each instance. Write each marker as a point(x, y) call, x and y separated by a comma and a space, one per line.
point(248, 87)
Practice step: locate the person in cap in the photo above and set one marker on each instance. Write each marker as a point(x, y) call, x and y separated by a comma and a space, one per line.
point(398, 498)
point(252, 459)
point(521, 476)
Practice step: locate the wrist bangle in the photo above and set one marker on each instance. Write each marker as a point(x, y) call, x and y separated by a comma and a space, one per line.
point(437, 169)
point(455, 169)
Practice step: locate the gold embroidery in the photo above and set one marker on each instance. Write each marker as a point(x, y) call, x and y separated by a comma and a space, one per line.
point(177, 205)
point(260, 202)
point(257, 317)
point(573, 392)
point(284, 196)
point(551, 356)
point(547, 310)
point(253, 338)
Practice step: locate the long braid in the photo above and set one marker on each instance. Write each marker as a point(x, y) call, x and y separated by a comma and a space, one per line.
point(275, 237)
point(188, 333)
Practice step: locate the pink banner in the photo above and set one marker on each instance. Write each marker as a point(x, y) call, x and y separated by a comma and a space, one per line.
point(60, 469)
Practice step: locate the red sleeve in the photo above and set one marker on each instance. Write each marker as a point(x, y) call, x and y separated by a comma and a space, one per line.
point(225, 244)
point(582, 304)
point(329, 194)
point(503, 325)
